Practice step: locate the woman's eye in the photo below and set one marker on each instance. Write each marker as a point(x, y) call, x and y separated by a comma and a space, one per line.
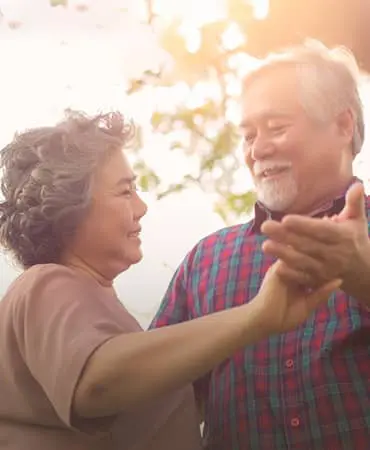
point(126, 193)
point(129, 191)
point(277, 128)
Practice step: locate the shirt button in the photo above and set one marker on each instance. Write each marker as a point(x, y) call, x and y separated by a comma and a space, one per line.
point(289, 363)
point(295, 422)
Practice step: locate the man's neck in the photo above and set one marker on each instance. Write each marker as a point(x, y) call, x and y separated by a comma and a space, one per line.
point(324, 202)
point(324, 206)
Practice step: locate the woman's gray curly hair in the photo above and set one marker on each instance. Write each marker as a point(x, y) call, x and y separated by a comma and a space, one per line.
point(46, 182)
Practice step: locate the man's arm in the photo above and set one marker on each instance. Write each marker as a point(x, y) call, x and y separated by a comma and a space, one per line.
point(357, 283)
point(316, 250)
point(174, 309)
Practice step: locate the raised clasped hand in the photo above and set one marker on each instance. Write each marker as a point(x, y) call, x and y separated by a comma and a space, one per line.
point(314, 251)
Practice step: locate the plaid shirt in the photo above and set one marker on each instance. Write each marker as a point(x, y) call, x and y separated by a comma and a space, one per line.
point(308, 389)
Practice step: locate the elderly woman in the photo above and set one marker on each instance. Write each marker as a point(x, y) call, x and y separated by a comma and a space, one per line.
point(76, 369)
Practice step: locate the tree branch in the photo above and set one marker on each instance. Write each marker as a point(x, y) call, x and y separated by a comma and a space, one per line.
point(150, 11)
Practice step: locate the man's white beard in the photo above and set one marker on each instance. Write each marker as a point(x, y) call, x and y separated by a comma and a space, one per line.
point(277, 194)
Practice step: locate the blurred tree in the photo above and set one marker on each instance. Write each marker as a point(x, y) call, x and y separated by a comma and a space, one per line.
point(200, 123)
point(333, 22)
point(209, 60)
point(202, 126)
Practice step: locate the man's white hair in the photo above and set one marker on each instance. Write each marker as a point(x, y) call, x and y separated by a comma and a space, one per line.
point(328, 78)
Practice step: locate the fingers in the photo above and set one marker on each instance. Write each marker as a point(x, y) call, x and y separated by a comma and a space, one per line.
point(355, 202)
point(296, 277)
point(272, 271)
point(322, 294)
point(337, 218)
point(292, 258)
point(279, 233)
point(325, 231)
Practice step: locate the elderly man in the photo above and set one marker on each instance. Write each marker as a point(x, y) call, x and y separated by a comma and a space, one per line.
point(308, 389)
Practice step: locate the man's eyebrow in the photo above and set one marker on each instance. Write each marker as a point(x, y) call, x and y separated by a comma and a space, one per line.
point(266, 116)
point(244, 124)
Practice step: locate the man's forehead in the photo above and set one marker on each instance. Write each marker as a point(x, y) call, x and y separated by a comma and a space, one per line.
point(270, 76)
point(265, 100)
point(265, 114)
point(275, 84)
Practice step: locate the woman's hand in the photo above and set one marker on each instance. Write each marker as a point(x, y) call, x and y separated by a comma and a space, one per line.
point(284, 306)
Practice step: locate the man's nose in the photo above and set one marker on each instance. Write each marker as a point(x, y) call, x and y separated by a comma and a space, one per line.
point(261, 149)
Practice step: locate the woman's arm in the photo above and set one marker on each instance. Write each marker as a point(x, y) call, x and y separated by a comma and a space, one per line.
point(137, 367)
point(134, 368)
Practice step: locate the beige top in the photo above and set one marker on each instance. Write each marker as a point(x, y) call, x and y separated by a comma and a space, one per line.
point(51, 320)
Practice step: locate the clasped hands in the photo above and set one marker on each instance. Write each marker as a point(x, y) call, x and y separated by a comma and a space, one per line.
point(314, 251)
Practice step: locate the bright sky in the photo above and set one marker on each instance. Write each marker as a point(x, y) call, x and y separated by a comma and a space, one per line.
point(61, 58)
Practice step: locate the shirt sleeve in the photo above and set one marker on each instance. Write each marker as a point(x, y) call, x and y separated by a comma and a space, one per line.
point(59, 323)
point(175, 308)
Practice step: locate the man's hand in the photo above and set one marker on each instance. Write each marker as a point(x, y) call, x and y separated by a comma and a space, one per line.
point(314, 251)
point(283, 305)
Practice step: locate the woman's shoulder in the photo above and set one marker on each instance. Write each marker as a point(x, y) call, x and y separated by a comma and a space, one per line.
point(44, 273)
point(40, 270)
point(45, 277)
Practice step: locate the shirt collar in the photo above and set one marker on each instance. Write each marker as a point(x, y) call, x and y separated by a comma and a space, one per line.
point(335, 206)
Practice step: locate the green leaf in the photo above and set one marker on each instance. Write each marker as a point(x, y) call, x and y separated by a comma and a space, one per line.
point(135, 86)
point(175, 145)
point(59, 3)
point(149, 181)
point(174, 188)
point(157, 119)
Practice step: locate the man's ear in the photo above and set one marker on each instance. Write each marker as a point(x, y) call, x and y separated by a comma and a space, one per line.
point(345, 122)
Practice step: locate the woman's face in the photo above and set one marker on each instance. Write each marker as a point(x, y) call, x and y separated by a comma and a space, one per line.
point(108, 239)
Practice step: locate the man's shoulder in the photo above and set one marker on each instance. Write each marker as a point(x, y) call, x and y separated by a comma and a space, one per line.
point(225, 243)
point(367, 207)
point(229, 234)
